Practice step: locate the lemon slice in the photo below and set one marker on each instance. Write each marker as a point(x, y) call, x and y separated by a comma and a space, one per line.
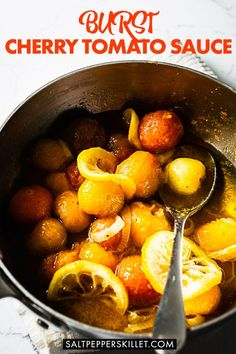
point(165, 156)
point(193, 321)
point(199, 272)
point(132, 119)
point(228, 203)
point(189, 227)
point(224, 255)
point(84, 280)
point(141, 320)
point(97, 164)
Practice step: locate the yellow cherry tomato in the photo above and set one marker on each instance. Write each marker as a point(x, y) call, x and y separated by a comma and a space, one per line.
point(184, 175)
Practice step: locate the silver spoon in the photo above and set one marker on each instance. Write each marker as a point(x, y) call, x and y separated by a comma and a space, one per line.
point(170, 320)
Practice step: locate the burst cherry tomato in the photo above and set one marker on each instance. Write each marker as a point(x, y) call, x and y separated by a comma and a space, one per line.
point(160, 131)
point(107, 231)
point(120, 146)
point(140, 291)
point(93, 252)
point(84, 134)
point(74, 175)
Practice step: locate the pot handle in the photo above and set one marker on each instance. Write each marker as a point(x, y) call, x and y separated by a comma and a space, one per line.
point(5, 289)
point(9, 289)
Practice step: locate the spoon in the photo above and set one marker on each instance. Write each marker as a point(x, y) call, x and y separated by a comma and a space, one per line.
point(170, 320)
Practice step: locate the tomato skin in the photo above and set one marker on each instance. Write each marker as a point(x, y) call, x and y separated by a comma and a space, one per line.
point(144, 221)
point(31, 204)
point(101, 198)
point(74, 175)
point(49, 236)
point(140, 291)
point(54, 261)
point(160, 131)
point(57, 182)
point(109, 243)
point(50, 155)
point(112, 243)
point(93, 252)
point(84, 133)
point(145, 170)
point(120, 146)
point(68, 210)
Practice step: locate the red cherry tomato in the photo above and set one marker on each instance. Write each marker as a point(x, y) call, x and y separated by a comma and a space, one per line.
point(160, 131)
point(140, 291)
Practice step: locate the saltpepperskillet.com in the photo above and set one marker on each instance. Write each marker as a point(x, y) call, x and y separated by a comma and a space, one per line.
point(170, 344)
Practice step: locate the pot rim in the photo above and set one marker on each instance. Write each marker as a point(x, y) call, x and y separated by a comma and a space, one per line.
point(67, 323)
point(110, 63)
point(48, 313)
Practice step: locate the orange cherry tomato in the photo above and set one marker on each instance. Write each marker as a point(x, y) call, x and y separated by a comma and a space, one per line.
point(93, 252)
point(49, 236)
point(70, 213)
point(54, 261)
point(84, 133)
point(146, 219)
point(145, 170)
point(31, 204)
point(57, 182)
point(101, 198)
point(50, 155)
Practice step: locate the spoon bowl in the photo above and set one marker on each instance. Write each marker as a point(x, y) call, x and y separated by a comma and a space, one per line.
point(170, 318)
point(177, 203)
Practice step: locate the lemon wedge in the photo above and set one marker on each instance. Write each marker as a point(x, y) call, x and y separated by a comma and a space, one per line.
point(199, 272)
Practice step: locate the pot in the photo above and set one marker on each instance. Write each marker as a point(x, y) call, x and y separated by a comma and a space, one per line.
point(207, 107)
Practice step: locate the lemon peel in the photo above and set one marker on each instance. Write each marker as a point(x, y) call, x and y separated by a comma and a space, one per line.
point(97, 164)
point(132, 119)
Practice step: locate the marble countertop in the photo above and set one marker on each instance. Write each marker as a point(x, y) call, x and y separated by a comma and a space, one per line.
point(21, 75)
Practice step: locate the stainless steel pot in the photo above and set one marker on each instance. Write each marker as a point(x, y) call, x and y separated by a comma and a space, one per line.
point(207, 106)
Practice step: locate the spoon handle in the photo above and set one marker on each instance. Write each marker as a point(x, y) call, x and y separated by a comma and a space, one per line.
point(170, 320)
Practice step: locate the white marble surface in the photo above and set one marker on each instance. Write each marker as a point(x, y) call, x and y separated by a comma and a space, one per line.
point(21, 75)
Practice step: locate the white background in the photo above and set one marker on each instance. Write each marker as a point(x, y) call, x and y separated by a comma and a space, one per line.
point(20, 75)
